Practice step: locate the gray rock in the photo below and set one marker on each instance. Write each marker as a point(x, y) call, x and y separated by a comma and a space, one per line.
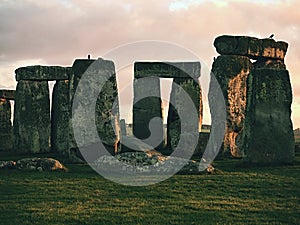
point(8, 94)
point(268, 136)
point(231, 72)
point(6, 129)
point(40, 164)
point(8, 165)
point(146, 109)
point(32, 117)
point(60, 118)
point(192, 88)
point(250, 46)
point(39, 73)
point(107, 106)
point(167, 69)
point(145, 162)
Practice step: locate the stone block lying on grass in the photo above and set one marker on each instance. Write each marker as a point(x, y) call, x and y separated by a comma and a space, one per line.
point(35, 164)
point(147, 162)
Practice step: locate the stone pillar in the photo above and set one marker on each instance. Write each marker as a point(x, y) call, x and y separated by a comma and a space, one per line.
point(231, 72)
point(107, 105)
point(6, 131)
point(146, 109)
point(32, 117)
point(192, 88)
point(268, 137)
point(123, 127)
point(60, 116)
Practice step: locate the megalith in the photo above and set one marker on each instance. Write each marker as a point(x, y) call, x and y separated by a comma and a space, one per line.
point(60, 117)
point(231, 72)
point(185, 79)
point(258, 97)
point(268, 136)
point(148, 111)
point(6, 129)
point(32, 117)
point(106, 109)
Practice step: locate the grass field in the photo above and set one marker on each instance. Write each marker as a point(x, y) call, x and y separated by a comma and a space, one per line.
point(236, 195)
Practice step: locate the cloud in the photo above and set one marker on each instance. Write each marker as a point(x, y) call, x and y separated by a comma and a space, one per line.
point(56, 32)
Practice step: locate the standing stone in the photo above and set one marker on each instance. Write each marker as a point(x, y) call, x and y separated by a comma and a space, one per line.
point(32, 117)
point(192, 88)
point(123, 127)
point(6, 132)
point(231, 72)
point(107, 105)
point(148, 108)
point(268, 136)
point(60, 115)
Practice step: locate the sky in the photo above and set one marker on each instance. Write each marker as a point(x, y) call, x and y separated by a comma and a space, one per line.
point(34, 32)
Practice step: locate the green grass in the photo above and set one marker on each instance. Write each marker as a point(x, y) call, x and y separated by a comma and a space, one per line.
point(260, 195)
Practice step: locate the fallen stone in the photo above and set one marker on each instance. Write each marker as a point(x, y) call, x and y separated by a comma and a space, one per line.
point(45, 73)
point(40, 164)
point(148, 163)
point(7, 165)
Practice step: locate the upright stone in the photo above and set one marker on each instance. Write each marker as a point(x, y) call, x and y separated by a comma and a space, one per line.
point(231, 72)
point(123, 127)
point(268, 136)
point(147, 111)
point(32, 117)
point(192, 88)
point(60, 116)
point(6, 132)
point(107, 105)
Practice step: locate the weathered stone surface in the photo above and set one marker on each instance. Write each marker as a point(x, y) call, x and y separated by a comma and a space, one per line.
point(60, 116)
point(42, 73)
point(268, 136)
point(192, 88)
point(250, 46)
point(231, 73)
point(32, 117)
point(34, 164)
point(147, 162)
point(123, 127)
point(6, 129)
point(107, 106)
point(167, 69)
point(146, 109)
point(7, 94)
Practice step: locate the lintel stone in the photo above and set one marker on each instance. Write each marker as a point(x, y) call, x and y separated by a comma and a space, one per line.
point(167, 69)
point(251, 47)
point(39, 73)
point(7, 94)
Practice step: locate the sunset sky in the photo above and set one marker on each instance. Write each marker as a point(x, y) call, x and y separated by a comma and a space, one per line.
point(56, 32)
